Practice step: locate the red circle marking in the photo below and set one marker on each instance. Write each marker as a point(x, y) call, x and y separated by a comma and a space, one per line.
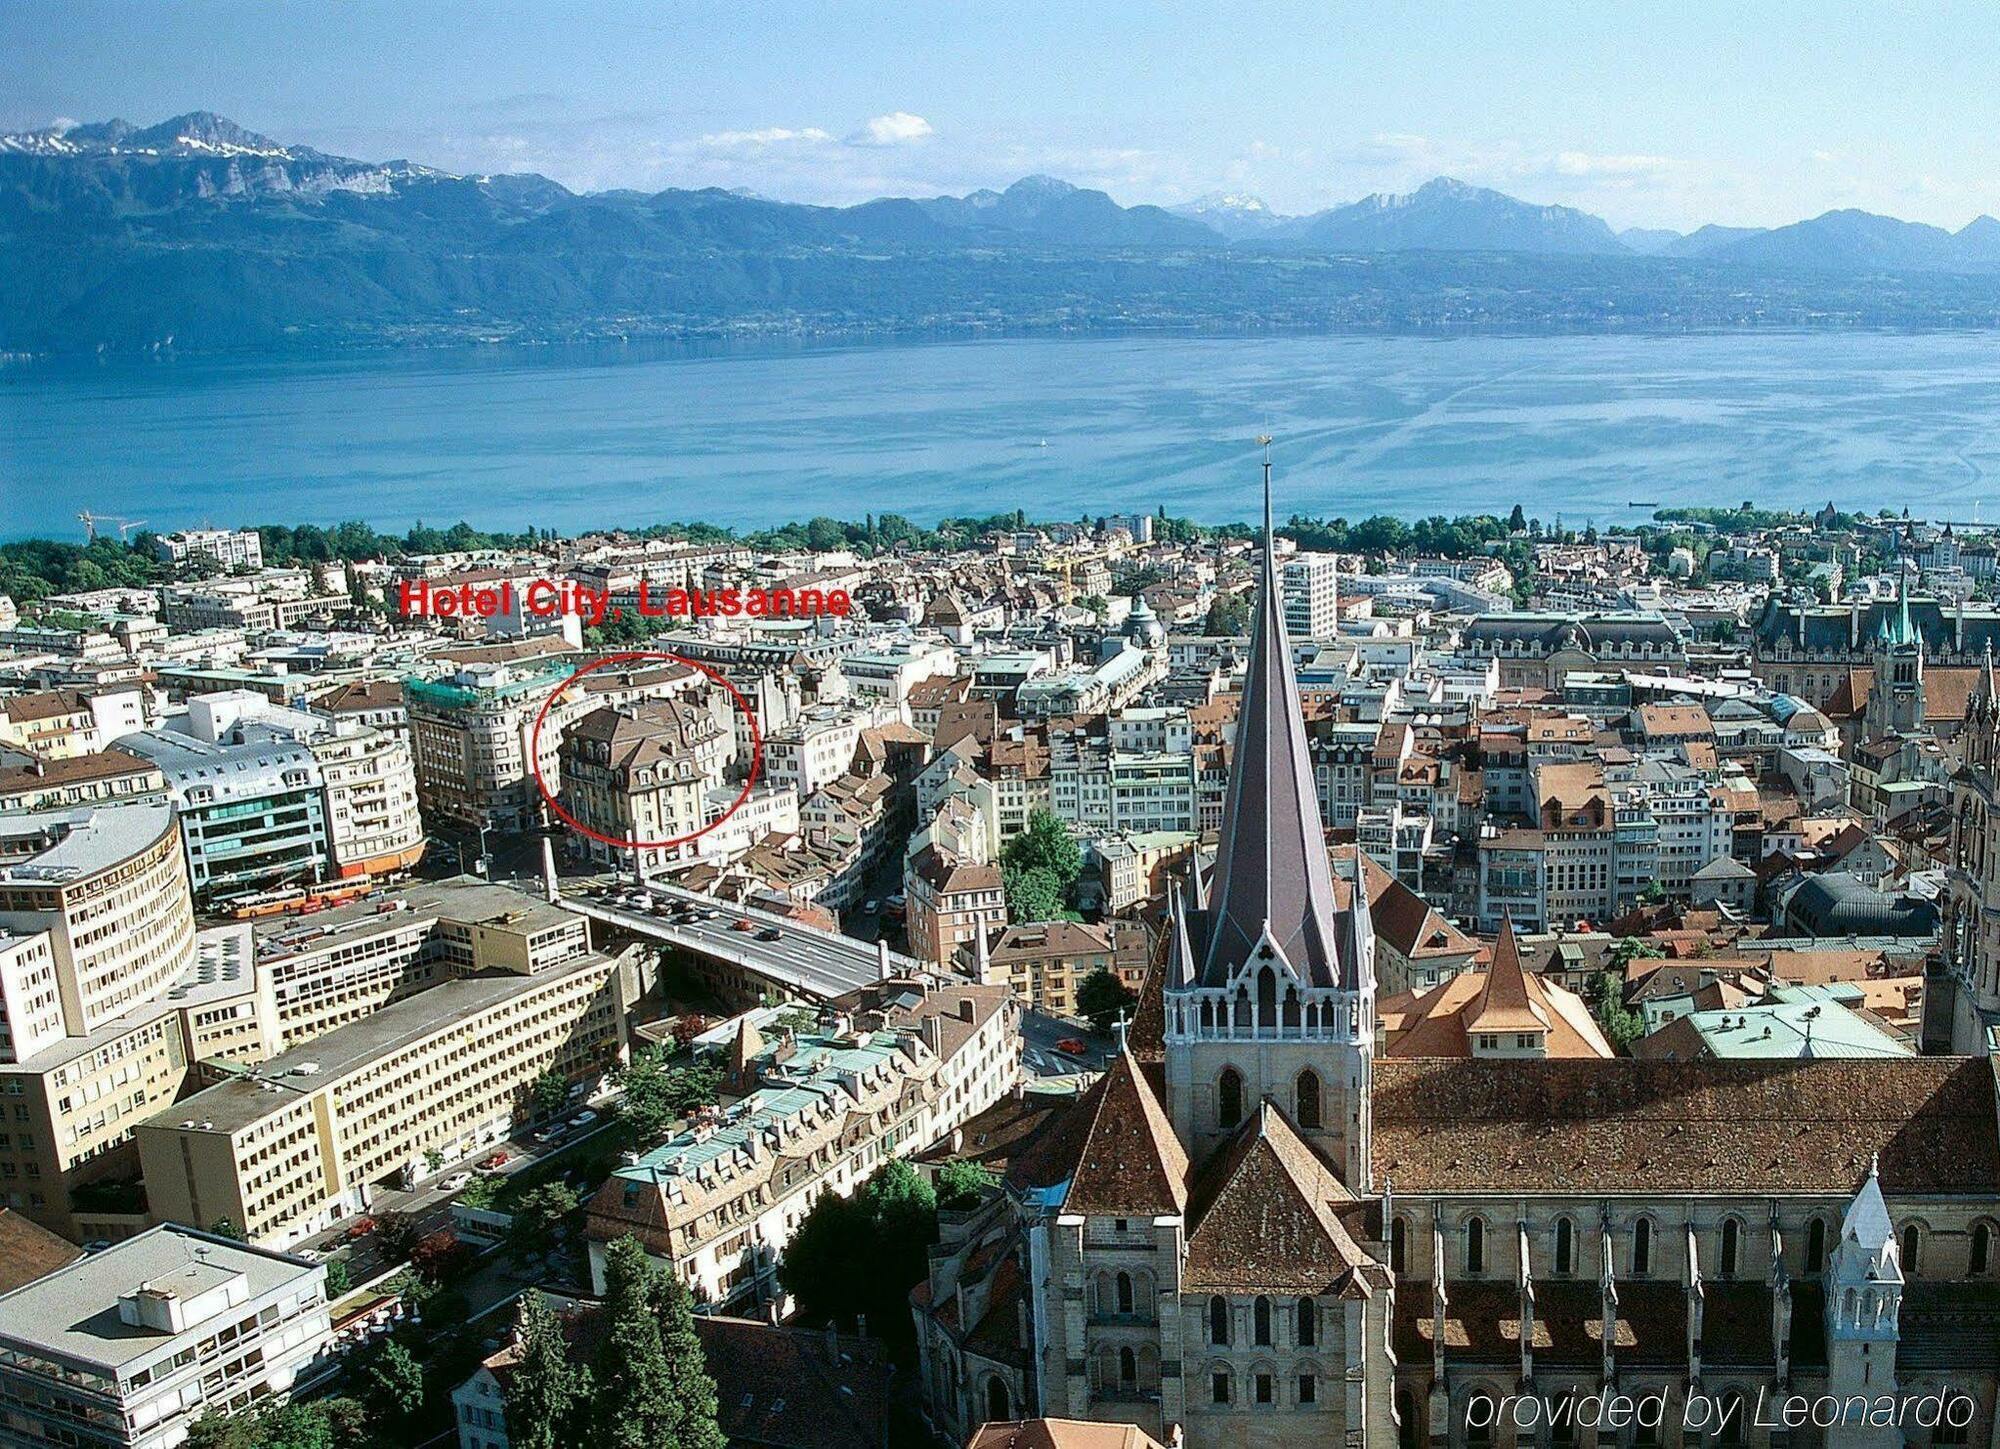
point(749, 784)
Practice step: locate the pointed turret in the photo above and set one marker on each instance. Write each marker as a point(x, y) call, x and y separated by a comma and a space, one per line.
point(1271, 872)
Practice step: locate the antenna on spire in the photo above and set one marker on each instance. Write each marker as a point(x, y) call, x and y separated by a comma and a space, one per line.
point(1264, 442)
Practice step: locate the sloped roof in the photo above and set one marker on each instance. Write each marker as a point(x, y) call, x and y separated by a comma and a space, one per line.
point(1131, 1163)
point(1266, 1212)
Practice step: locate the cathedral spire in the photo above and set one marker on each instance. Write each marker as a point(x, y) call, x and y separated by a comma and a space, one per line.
point(1271, 874)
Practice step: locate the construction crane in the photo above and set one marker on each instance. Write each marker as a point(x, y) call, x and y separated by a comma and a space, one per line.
point(91, 520)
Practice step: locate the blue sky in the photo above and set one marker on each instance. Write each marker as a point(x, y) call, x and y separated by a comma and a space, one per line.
point(1650, 114)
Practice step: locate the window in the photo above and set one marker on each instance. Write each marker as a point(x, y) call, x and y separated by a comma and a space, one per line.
point(1229, 1097)
point(1912, 1243)
point(1218, 1387)
point(1732, 1246)
point(1475, 1246)
point(1308, 1389)
point(1729, 1419)
point(998, 1409)
point(1642, 1248)
point(1308, 1098)
point(1128, 1370)
point(1308, 1326)
point(1266, 1389)
point(1260, 1321)
point(1982, 1249)
point(1399, 1239)
point(1565, 1248)
point(1816, 1245)
point(1124, 1292)
point(1218, 1323)
point(1406, 1420)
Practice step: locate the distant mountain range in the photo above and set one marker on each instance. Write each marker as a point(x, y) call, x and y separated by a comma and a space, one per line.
point(198, 233)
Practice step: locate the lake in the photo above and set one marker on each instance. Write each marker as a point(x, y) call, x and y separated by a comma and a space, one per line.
point(571, 438)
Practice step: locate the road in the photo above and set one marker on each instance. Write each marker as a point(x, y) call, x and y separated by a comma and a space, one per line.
point(800, 960)
point(1043, 1058)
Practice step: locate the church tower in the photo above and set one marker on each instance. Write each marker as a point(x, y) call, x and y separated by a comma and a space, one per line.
point(1270, 986)
point(1896, 702)
point(1864, 1299)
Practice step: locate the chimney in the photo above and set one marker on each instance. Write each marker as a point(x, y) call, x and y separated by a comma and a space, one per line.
point(981, 956)
point(883, 970)
point(549, 870)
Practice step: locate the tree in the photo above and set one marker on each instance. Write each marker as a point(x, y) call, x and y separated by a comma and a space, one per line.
point(687, 1026)
point(1046, 843)
point(1102, 997)
point(1517, 521)
point(657, 1096)
point(397, 1234)
point(547, 1396)
point(858, 1258)
point(962, 1184)
point(550, 1093)
point(687, 1364)
point(392, 1383)
point(338, 1279)
point(224, 1228)
point(537, 1214)
point(319, 1424)
point(1228, 616)
point(633, 1402)
point(437, 1256)
point(1033, 895)
point(1622, 1027)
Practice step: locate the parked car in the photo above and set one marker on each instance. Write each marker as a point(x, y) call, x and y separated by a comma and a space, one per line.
point(583, 1118)
point(1073, 1045)
point(551, 1134)
point(310, 1255)
point(770, 933)
point(871, 907)
point(456, 1182)
point(495, 1162)
point(360, 1228)
point(743, 923)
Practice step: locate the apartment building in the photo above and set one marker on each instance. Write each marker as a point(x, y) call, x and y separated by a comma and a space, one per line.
point(372, 822)
point(815, 748)
point(287, 1148)
point(62, 724)
point(643, 772)
point(1312, 595)
point(951, 903)
point(471, 730)
point(96, 928)
point(107, 776)
point(129, 1346)
point(884, 1073)
point(232, 548)
point(1044, 963)
point(1100, 790)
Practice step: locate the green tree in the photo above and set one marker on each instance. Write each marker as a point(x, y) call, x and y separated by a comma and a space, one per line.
point(1622, 1026)
point(319, 1424)
point(547, 1395)
point(1517, 521)
point(657, 1096)
point(1228, 615)
point(537, 1214)
point(1046, 843)
point(858, 1258)
point(338, 1279)
point(550, 1092)
point(1033, 895)
point(687, 1365)
point(1102, 997)
point(392, 1383)
point(961, 1184)
point(224, 1228)
point(633, 1400)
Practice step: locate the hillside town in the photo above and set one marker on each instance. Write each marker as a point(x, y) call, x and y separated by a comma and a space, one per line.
point(1032, 984)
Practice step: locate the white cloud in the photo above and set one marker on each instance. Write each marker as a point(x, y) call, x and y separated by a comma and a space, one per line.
point(1582, 163)
point(897, 128)
point(763, 138)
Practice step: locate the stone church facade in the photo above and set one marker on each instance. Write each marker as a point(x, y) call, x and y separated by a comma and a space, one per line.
point(1255, 1232)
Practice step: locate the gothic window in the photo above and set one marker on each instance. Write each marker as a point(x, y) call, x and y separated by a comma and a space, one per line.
point(1816, 1245)
point(1218, 1386)
point(1218, 1324)
point(1642, 1248)
point(1124, 1292)
point(1229, 1097)
point(1406, 1420)
point(1399, 1240)
point(1308, 1325)
point(1260, 1321)
point(1565, 1248)
point(998, 1409)
point(1267, 1388)
point(1308, 1098)
point(1732, 1247)
point(1267, 998)
point(1308, 1388)
point(1912, 1244)
point(1128, 1370)
point(1729, 1420)
point(1475, 1246)
point(1981, 1254)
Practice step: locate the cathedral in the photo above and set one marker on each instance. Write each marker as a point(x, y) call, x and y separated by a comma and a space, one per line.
point(1255, 1231)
